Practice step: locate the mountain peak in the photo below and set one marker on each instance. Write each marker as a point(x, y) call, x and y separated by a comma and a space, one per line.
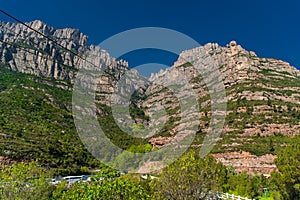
point(233, 61)
point(37, 24)
point(46, 58)
point(233, 48)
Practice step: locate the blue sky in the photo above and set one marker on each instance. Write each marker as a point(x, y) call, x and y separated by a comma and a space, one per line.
point(270, 28)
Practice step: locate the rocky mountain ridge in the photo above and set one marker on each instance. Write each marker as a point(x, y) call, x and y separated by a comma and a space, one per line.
point(30, 52)
point(263, 99)
point(239, 68)
point(262, 94)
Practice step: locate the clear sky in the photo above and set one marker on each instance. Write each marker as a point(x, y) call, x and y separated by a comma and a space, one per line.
point(270, 28)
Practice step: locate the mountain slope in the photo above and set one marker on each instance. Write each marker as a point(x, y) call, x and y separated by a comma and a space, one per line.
point(35, 123)
point(37, 77)
point(263, 98)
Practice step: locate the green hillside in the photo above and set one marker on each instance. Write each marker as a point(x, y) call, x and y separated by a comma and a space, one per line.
point(36, 123)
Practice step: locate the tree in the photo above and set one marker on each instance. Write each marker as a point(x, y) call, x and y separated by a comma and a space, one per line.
point(190, 177)
point(288, 177)
point(246, 185)
point(108, 185)
point(24, 181)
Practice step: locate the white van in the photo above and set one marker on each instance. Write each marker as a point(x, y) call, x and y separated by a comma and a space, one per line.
point(72, 179)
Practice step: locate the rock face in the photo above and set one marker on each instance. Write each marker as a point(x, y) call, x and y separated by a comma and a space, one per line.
point(160, 141)
point(262, 100)
point(245, 161)
point(32, 53)
point(262, 94)
point(28, 52)
point(236, 63)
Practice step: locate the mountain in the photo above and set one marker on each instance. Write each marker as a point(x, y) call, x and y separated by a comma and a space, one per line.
point(263, 107)
point(260, 102)
point(37, 77)
point(262, 93)
point(42, 57)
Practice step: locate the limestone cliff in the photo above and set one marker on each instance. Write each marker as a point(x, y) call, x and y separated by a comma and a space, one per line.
point(32, 53)
point(263, 94)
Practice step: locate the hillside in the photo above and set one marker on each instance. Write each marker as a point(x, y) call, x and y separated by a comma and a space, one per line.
point(262, 94)
point(262, 97)
point(37, 77)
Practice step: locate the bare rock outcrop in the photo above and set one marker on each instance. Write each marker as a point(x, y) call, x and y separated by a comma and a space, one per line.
point(29, 52)
point(247, 78)
point(244, 161)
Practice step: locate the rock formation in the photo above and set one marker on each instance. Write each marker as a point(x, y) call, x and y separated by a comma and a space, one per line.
point(32, 53)
point(262, 94)
point(244, 161)
point(248, 80)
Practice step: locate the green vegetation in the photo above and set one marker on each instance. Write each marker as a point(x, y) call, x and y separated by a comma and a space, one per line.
point(190, 177)
point(108, 185)
point(35, 123)
point(113, 132)
point(30, 181)
point(135, 111)
point(25, 181)
point(245, 114)
point(287, 179)
point(187, 64)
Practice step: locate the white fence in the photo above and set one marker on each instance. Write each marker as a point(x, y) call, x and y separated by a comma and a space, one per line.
point(228, 196)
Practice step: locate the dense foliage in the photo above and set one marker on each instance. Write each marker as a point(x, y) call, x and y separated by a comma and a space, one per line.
point(190, 177)
point(35, 123)
point(287, 179)
point(112, 187)
point(25, 181)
